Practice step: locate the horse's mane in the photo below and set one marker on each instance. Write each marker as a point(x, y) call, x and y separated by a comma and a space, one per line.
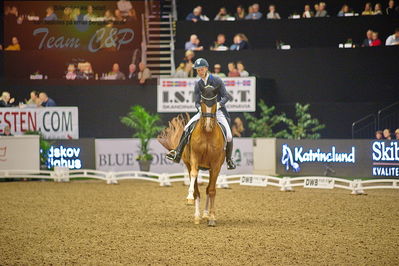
point(170, 136)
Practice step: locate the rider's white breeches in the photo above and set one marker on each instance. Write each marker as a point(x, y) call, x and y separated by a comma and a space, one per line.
point(221, 119)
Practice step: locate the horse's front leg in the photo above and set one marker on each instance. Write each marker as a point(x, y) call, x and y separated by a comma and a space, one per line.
point(205, 215)
point(213, 175)
point(193, 177)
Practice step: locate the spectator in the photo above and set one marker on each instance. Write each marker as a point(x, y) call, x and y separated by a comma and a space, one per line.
point(233, 72)
point(378, 9)
point(316, 8)
point(6, 100)
point(223, 15)
point(71, 72)
point(132, 16)
point(321, 11)
point(391, 10)
point(132, 72)
point(14, 46)
point(376, 41)
point(76, 15)
point(241, 69)
point(1, 47)
point(307, 13)
point(240, 13)
point(7, 131)
point(254, 14)
point(217, 71)
point(118, 16)
point(116, 74)
point(50, 15)
point(124, 7)
point(197, 15)
point(344, 10)
point(367, 42)
point(272, 13)
point(397, 134)
point(46, 101)
point(11, 16)
point(33, 100)
point(188, 60)
point(144, 73)
point(368, 10)
point(193, 44)
point(378, 134)
point(387, 134)
point(90, 16)
point(238, 127)
point(240, 42)
point(393, 39)
point(108, 15)
point(182, 71)
point(67, 16)
point(219, 44)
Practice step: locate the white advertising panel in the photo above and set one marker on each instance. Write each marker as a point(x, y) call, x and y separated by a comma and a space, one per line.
point(121, 154)
point(52, 122)
point(19, 153)
point(255, 181)
point(319, 182)
point(175, 95)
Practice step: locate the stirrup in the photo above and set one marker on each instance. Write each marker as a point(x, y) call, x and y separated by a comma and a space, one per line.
point(171, 155)
point(230, 165)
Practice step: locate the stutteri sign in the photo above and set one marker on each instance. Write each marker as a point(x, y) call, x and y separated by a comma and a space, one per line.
point(52, 122)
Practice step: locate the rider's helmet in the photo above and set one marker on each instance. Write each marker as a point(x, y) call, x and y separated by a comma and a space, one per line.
point(200, 62)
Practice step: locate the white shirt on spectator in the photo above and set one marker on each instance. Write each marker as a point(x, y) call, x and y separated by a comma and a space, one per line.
point(392, 40)
point(244, 73)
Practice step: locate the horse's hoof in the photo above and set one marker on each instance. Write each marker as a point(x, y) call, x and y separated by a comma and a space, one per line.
point(205, 216)
point(212, 223)
point(197, 220)
point(190, 202)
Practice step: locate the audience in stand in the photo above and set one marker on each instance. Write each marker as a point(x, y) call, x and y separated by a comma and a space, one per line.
point(393, 39)
point(240, 42)
point(6, 100)
point(220, 43)
point(108, 15)
point(387, 134)
point(197, 15)
point(7, 131)
point(188, 60)
point(67, 16)
point(233, 72)
point(376, 41)
point(344, 10)
point(193, 43)
point(253, 12)
point(124, 6)
point(272, 13)
point(181, 71)
point(397, 134)
point(241, 69)
point(378, 134)
point(368, 10)
point(392, 10)
point(118, 16)
point(144, 73)
point(369, 39)
point(321, 10)
point(115, 73)
point(217, 71)
point(46, 101)
point(307, 13)
point(71, 72)
point(50, 15)
point(90, 16)
point(378, 9)
point(14, 46)
point(240, 13)
point(132, 72)
point(223, 15)
point(34, 100)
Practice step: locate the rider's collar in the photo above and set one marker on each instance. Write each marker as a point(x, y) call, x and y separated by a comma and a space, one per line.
point(206, 78)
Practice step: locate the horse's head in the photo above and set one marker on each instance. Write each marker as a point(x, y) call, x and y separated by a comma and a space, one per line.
point(208, 107)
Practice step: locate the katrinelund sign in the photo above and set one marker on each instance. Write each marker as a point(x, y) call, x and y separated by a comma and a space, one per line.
point(52, 122)
point(175, 95)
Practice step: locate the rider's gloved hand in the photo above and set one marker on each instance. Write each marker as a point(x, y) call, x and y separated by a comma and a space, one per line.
point(218, 106)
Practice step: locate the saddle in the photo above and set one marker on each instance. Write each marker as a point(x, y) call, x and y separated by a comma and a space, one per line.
point(224, 131)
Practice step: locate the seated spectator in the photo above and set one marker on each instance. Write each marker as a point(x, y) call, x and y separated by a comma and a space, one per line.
point(132, 72)
point(11, 16)
point(182, 71)
point(240, 42)
point(316, 8)
point(108, 16)
point(14, 46)
point(124, 6)
point(368, 41)
point(188, 60)
point(132, 16)
point(378, 9)
point(241, 69)
point(193, 44)
point(197, 15)
point(392, 10)
point(233, 72)
point(71, 72)
point(240, 13)
point(393, 39)
point(7, 131)
point(321, 11)
point(76, 15)
point(397, 134)
point(378, 134)
point(90, 16)
point(368, 10)
point(6, 100)
point(217, 71)
point(50, 15)
point(272, 13)
point(118, 16)
point(376, 41)
point(144, 73)
point(223, 15)
point(254, 14)
point(116, 74)
point(387, 134)
point(33, 100)
point(219, 44)
point(67, 16)
point(307, 13)
point(238, 127)
point(344, 10)
point(46, 101)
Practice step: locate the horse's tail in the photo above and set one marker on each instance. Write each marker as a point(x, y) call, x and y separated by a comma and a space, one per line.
point(170, 136)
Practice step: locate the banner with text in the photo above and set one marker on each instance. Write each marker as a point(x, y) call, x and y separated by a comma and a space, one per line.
point(175, 95)
point(19, 153)
point(52, 122)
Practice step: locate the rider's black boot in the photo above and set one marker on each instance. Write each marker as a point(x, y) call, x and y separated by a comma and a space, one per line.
point(175, 155)
point(229, 151)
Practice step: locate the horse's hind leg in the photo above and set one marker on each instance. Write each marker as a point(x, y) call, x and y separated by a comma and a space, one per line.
point(213, 175)
point(205, 215)
point(197, 214)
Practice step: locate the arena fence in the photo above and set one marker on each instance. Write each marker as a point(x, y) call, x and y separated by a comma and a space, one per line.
point(356, 186)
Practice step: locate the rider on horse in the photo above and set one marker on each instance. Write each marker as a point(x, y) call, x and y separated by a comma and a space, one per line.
point(207, 79)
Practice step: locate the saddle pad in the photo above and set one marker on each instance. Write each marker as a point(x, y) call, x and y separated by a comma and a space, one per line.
point(224, 132)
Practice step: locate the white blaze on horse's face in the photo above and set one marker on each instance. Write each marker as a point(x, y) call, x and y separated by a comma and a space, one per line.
point(208, 126)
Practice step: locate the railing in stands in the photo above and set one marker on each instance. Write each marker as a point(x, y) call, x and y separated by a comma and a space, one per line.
point(174, 10)
point(365, 127)
point(172, 46)
point(144, 40)
point(388, 117)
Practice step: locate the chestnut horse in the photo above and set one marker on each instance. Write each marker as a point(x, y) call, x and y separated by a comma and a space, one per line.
point(204, 151)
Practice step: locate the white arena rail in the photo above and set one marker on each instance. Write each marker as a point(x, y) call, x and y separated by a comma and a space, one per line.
point(60, 174)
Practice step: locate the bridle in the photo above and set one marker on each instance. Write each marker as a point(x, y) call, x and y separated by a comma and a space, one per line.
point(209, 102)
